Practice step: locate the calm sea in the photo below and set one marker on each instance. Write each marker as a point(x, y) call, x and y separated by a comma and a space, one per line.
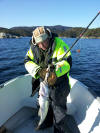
point(86, 64)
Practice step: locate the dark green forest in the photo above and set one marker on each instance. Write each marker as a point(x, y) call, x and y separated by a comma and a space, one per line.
point(62, 31)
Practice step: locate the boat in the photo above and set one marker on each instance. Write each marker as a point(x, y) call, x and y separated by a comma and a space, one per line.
point(18, 109)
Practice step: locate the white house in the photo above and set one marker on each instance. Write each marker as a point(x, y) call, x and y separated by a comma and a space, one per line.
point(2, 35)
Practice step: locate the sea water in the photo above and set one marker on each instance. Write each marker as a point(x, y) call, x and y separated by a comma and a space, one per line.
point(85, 66)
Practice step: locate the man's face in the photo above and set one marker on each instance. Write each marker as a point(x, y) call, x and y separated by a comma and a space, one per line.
point(44, 45)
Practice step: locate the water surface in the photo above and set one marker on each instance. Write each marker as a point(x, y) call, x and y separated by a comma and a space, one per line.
point(86, 64)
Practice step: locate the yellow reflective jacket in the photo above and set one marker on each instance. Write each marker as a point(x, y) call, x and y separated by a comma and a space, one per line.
point(60, 47)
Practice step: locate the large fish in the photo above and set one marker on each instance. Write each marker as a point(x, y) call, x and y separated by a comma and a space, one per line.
point(43, 101)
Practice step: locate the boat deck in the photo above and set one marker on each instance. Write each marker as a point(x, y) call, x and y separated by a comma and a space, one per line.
point(25, 121)
point(21, 109)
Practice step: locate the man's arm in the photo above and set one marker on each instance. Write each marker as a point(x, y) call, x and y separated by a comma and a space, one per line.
point(63, 66)
point(30, 65)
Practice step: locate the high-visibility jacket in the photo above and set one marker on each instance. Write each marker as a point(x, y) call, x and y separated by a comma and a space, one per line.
point(59, 47)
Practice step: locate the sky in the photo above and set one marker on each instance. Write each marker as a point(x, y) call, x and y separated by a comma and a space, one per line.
point(71, 13)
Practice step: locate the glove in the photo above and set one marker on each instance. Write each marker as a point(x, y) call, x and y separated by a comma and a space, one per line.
point(52, 76)
point(42, 73)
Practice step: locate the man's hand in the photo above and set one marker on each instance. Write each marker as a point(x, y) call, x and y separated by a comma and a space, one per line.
point(42, 73)
point(52, 76)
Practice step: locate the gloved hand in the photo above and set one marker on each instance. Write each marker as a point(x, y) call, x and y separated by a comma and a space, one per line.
point(52, 76)
point(42, 73)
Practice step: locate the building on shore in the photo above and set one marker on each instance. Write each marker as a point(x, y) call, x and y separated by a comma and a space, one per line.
point(2, 35)
point(7, 35)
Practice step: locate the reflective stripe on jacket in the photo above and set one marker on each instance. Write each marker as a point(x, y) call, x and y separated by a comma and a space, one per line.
point(60, 47)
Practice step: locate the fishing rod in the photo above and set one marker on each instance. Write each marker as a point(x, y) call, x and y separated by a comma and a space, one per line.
point(82, 33)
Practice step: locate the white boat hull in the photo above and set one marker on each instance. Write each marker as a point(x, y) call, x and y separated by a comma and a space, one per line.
point(82, 104)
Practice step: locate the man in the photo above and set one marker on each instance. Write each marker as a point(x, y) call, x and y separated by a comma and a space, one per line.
point(46, 48)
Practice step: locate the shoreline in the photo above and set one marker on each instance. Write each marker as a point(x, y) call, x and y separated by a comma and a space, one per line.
point(58, 36)
point(83, 37)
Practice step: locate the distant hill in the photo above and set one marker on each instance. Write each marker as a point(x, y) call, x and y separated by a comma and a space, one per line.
point(63, 31)
point(28, 30)
point(1, 28)
point(56, 27)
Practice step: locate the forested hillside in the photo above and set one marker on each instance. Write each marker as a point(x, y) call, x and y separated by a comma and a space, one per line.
point(62, 31)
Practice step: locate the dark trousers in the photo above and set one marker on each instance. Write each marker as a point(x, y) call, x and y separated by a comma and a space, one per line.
point(63, 123)
point(58, 96)
point(35, 86)
point(57, 113)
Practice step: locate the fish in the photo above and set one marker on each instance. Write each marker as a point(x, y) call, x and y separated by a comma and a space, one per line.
point(43, 101)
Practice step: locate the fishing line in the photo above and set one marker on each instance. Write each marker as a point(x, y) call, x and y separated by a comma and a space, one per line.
point(80, 36)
